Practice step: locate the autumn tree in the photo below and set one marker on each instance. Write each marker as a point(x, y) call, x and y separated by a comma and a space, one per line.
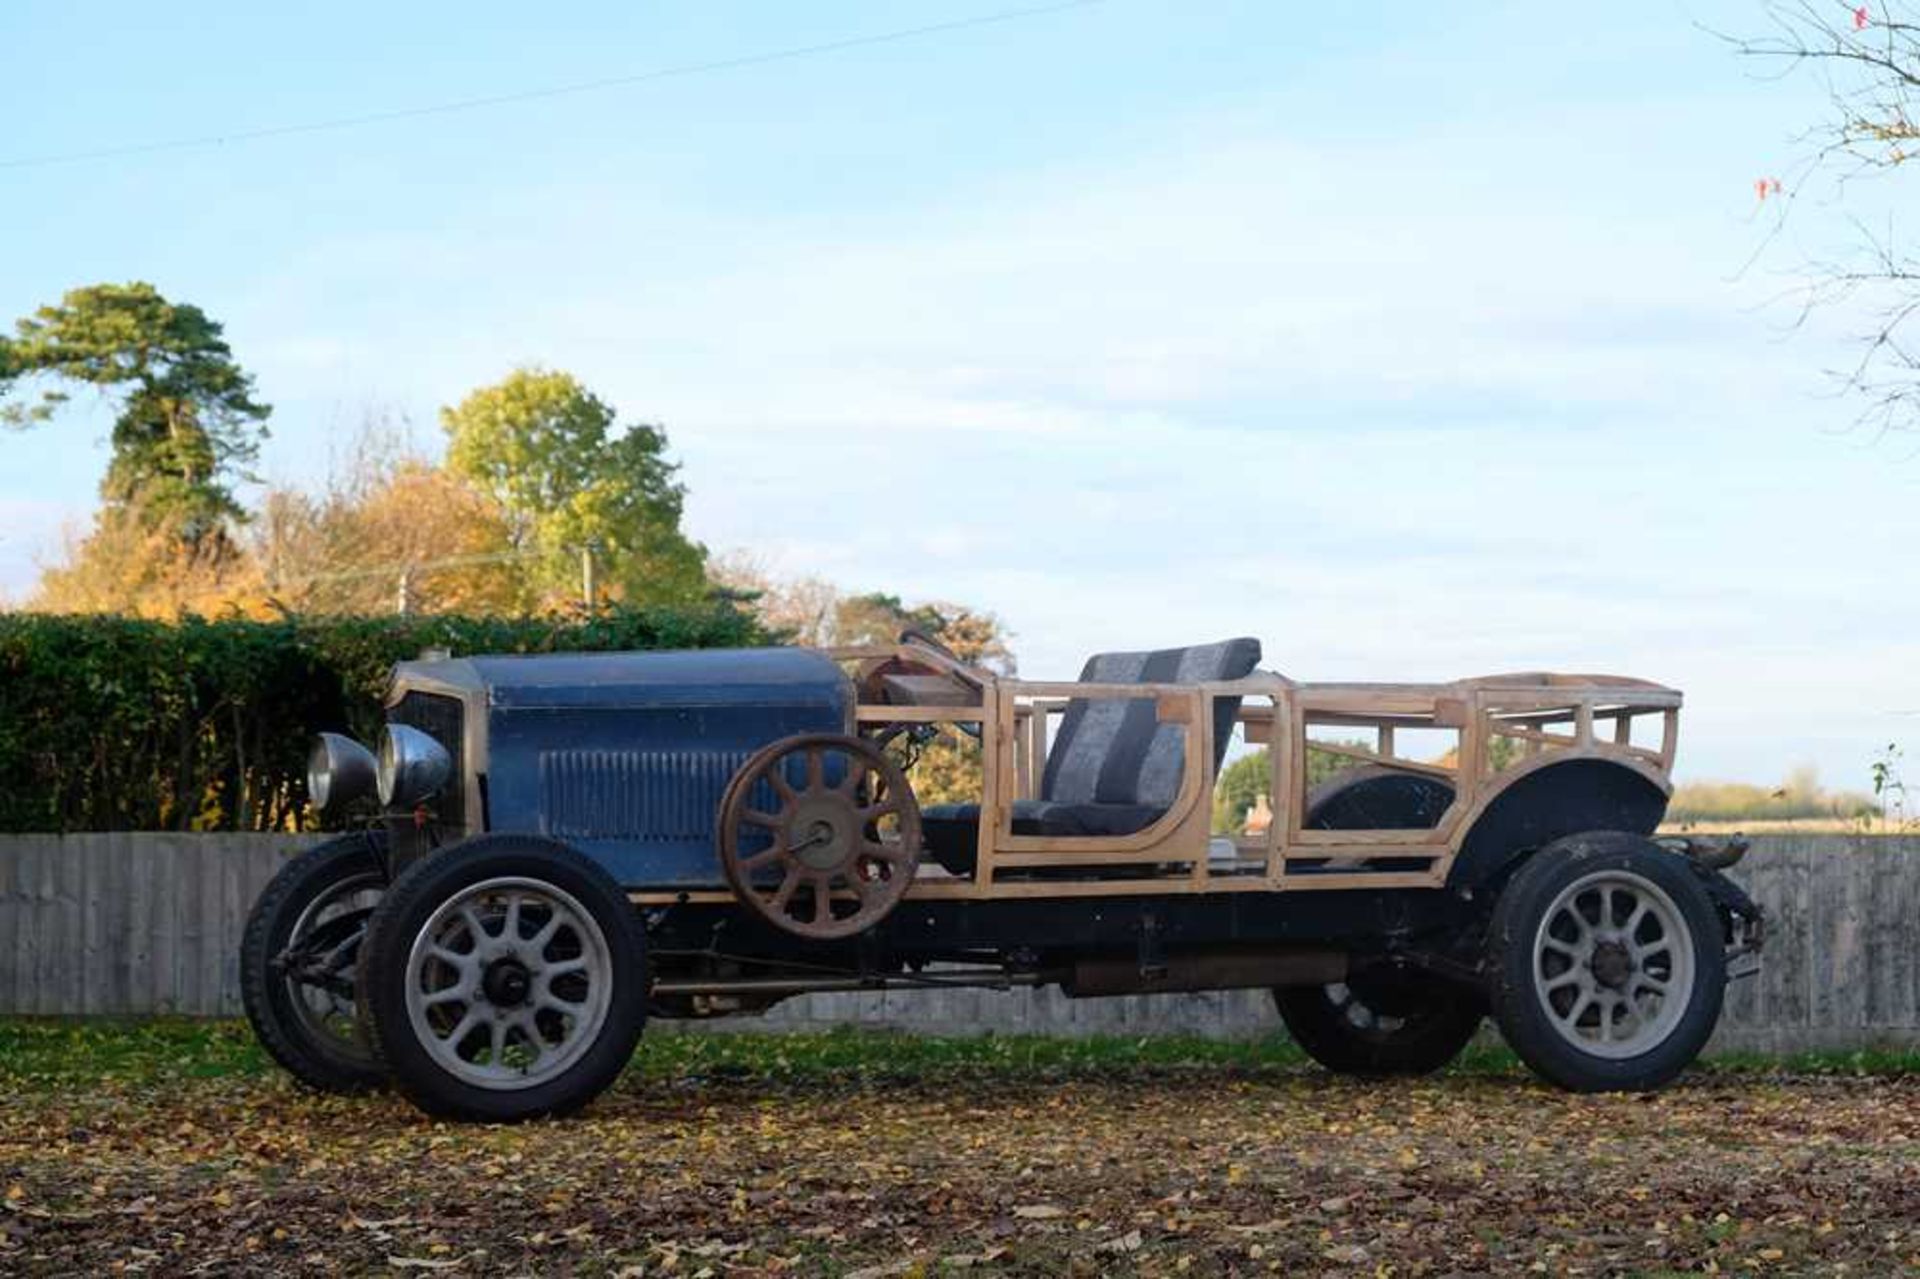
point(137, 561)
point(387, 525)
point(187, 423)
point(1867, 59)
point(814, 612)
point(801, 609)
point(548, 452)
point(186, 426)
point(878, 618)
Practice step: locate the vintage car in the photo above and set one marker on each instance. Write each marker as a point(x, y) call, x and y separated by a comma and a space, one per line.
point(554, 848)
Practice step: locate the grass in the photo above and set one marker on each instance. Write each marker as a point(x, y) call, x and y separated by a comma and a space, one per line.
point(156, 1050)
point(66, 1049)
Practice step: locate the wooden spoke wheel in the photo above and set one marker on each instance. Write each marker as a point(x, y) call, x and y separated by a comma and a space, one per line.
point(820, 835)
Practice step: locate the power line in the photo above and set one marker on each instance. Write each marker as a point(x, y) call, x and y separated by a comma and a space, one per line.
point(554, 91)
point(394, 567)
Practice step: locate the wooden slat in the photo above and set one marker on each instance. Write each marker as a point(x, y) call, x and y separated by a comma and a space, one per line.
point(1499, 728)
point(1091, 856)
point(166, 988)
point(1332, 881)
point(234, 903)
point(93, 858)
point(1392, 842)
point(918, 715)
point(1036, 724)
point(14, 913)
point(136, 962)
point(1375, 757)
point(53, 955)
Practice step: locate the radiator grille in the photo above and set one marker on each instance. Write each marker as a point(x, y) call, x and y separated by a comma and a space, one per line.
point(662, 795)
point(442, 718)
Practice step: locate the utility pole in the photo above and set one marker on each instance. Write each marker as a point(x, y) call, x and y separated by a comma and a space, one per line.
point(590, 574)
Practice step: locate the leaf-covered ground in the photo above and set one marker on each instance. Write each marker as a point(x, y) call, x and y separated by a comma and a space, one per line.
point(170, 1149)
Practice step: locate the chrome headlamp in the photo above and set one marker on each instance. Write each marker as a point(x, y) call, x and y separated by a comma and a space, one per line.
point(339, 771)
point(412, 766)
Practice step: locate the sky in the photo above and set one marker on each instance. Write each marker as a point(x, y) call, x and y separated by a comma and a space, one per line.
point(1418, 341)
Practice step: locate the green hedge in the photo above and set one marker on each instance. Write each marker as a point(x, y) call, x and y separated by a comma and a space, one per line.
point(114, 723)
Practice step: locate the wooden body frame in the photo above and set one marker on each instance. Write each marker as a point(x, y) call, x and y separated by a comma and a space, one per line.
point(1551, 718)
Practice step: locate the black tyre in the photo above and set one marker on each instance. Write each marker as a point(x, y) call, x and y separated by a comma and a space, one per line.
point(505, 979)
point(1609, 964)
point(1380, 1024)
point(298, 959)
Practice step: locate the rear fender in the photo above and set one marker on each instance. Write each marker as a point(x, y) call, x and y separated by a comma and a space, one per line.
point(1564, 798)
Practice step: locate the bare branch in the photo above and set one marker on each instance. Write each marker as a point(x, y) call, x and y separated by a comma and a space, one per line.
point(1867, 59)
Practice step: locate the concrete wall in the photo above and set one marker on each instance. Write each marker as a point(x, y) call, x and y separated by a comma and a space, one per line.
point(145, 923)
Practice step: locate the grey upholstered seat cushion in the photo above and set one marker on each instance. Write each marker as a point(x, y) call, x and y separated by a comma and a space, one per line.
point(1114, 750)
point(1114, 768)
point(950, 831)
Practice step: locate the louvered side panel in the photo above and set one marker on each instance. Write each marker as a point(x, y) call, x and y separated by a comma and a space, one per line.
point(649, 795)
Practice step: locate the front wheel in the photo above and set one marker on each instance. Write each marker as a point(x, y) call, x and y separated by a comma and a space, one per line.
point(297, 961)
point(505, 979)
point(1403, 1023)
point(1609, 963)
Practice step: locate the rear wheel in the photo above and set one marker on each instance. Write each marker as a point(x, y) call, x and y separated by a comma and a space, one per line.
point(297, 963)
point(1377, 1024)
point(1609, 963)
point(505, 979)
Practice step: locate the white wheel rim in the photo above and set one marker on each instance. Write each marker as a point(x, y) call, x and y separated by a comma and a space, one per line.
point(327, 1014)
point(463, 973)
point(1613, 965)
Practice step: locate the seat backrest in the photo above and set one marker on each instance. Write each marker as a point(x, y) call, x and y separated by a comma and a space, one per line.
point(1114, 750)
